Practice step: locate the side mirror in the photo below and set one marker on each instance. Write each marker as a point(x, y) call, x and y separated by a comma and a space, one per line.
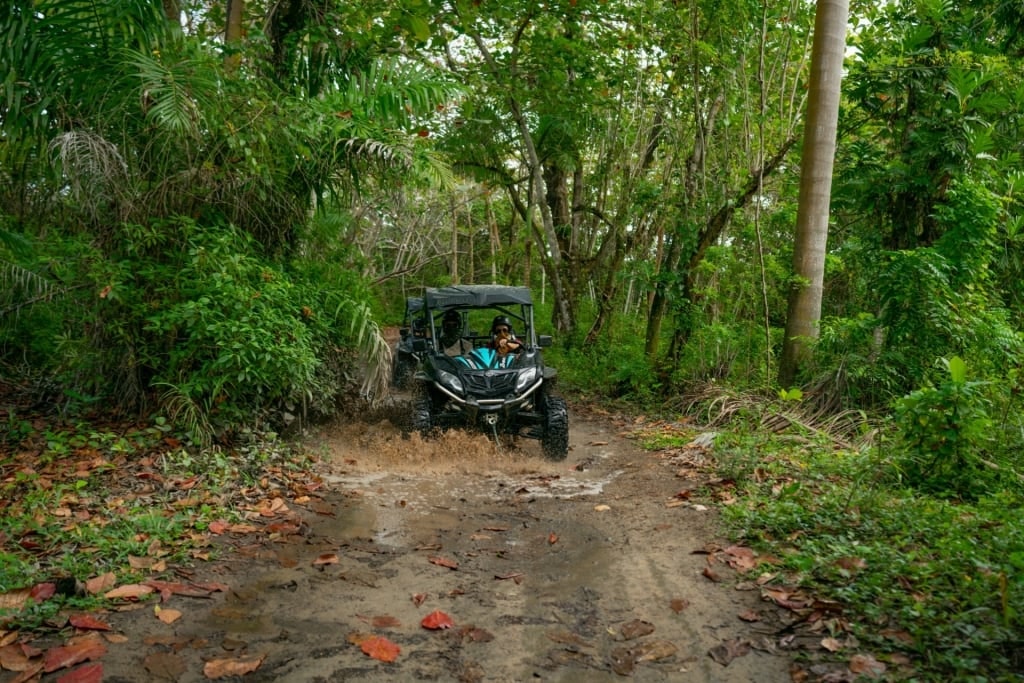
point(544, 340)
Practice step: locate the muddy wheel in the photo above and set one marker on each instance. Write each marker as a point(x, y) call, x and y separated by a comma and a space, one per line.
point(404, 369)
point(555, 440)
point(422, 420)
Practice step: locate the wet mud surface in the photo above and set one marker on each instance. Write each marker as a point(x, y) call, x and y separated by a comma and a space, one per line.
point(591, 569)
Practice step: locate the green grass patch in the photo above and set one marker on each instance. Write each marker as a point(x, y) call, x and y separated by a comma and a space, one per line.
point(936, 580)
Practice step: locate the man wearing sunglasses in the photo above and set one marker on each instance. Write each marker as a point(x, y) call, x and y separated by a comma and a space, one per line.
point(503, 339)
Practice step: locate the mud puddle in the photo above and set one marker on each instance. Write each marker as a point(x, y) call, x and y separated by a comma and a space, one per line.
point(570, 571)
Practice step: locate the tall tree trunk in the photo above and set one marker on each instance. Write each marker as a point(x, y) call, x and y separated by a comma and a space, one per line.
point(492, 228)
point(233, 34)
point(804, 311)
point(454, 261)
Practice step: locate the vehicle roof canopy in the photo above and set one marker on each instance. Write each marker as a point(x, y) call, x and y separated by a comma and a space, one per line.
point(414, 304)
point(458, 296)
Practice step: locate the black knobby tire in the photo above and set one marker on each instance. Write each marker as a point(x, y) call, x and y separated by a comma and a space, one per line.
point(555, 440)
point(404, 369)
point(422, 419)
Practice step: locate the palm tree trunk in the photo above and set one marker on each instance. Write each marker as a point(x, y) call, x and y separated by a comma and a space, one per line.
point(809, 243)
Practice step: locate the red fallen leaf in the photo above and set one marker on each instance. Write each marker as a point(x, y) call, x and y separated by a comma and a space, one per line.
point(437, 620)
point(326, 558)
point(69, 655)
point(380, 648)
point(218, 527)
point(88, 622)
point(710, 574)
point(418, 598)
point(552, 538)
point(42, 591)
point(443, 562)
point(222, 668)
point(385, 621)
point(90, 673)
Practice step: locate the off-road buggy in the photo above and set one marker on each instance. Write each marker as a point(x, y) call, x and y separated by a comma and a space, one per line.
point(406, 358)
point(471, 385)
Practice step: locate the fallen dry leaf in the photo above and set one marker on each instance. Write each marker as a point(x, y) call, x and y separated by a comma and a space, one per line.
point(418, 598)
point(437, 620)
point(740, 558)
point(90, 673)
point(101, 583)
point(69, 655)
point(866, 665)
point(653, 651)
point(831, 644)
point(88, 622)
point(602, 508)
point(552, 538)
point(218, 527)
point(164, 665)
point(42, 591)
point(711, 574)
point(636, 629)
point(385, 621)
point(132, 591)
point(443, 562)
point(13, 658)
point(222, 668)
point(728, 650)
point(326, 558)
point(14, 600)
point(380, 648)
point(168, 616)
point(678, 604)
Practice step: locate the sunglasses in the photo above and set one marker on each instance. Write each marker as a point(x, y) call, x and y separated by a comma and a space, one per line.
point(501, 329)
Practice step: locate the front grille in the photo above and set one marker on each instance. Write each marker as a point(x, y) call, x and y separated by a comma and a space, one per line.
point(489, 383)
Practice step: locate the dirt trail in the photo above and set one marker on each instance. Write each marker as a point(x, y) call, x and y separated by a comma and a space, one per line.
point(583, 570)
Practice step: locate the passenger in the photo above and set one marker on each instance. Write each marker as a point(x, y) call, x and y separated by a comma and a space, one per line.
point(451, 335)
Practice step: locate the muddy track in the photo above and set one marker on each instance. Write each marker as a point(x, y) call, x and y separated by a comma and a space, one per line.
point(584, 570)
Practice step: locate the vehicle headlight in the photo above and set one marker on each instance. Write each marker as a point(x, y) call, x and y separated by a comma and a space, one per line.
point(449, 380)
point(525, 379)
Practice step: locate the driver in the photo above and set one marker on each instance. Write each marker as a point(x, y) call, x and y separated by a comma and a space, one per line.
point(503, 339)
point(451, 335)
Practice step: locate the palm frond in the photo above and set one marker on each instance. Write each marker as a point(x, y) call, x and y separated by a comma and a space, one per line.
point(184, 412)
point(170, 93)
point(92, 166)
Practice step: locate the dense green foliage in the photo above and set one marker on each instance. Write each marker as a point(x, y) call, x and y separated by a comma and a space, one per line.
point(212, 235)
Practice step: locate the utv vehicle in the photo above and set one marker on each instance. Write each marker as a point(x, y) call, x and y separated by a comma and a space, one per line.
point(461, 381)
point(414, 326)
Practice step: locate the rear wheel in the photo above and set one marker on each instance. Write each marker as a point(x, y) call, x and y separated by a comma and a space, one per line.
point(555, 440)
